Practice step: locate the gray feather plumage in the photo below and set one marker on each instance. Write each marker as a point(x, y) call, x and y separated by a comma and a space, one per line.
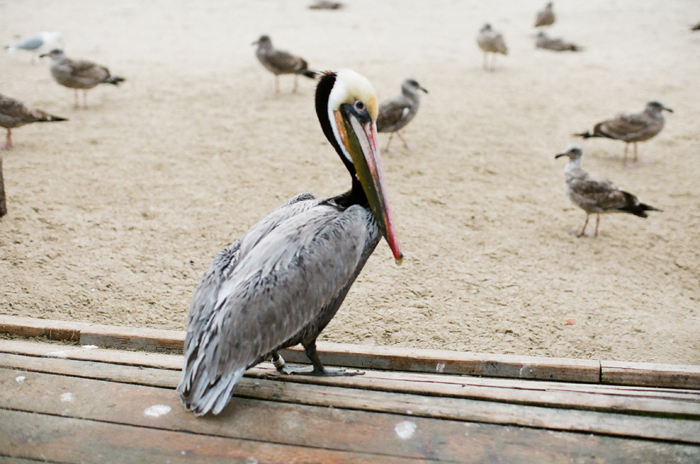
point(278, 285)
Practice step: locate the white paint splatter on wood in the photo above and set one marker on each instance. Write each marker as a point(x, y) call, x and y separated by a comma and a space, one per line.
point(405, 429)
point(67, 397)
point(157, 410)
point(20, 378)
point(440, 367)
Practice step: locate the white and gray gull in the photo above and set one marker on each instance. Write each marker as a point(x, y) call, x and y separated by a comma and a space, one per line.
point(37, 43)
point(399, 110)
point(281, 62)
point(491, 42)
point(14, 113)
point(595, 195)
point(631, 127)
point(284, 279)
point(79, 74)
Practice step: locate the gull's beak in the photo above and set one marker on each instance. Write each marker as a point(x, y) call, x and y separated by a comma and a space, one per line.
point(560, 155)
point(359, 135)
point(43, 55)
point(668, 109)
point(424, 90)
point(255, 43)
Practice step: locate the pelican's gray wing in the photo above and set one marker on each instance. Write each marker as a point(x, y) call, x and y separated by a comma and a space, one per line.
point(274, 282)
point(394, 114)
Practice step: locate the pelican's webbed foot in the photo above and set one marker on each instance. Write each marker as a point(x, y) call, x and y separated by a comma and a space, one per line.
point(316, 369)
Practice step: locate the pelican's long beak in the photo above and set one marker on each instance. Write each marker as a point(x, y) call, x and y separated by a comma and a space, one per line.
point(360, 139)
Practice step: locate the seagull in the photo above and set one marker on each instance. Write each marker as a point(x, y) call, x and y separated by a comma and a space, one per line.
point(79, 74)
point(37, 42)
point(546, 16)
point(631, 127)
point(558, 45)
point(491, 41)
point(14, 113)
point(398, 111)
point(281, 62)
point(594, 195)
point(284, 279)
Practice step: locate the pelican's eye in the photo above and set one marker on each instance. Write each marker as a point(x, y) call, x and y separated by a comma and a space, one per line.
point(359, 105)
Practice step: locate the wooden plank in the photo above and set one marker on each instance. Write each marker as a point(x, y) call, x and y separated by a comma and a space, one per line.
point(665, 403)
point(30, 327)
point(337, 354)
point(444, 441)
point(9, 460)
point(68, 440)
point(451, 362)
point(664, 375)
point(174, 362)
point(687, 431)
point(384, 358)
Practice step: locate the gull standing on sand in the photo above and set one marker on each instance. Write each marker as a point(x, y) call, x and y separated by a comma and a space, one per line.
point(631, 127)
point(546, 16)
point(14, 113)
point(594, 195)
point(558, 45)
point(37, 43)
point(79, 74)
point(492, 42)
point(281, 62)
point(398, 111)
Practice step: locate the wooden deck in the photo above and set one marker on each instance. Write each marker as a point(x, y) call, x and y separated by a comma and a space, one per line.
point(77, 402)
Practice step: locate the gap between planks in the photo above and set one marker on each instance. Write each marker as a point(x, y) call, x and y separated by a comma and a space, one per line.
point(383, 358)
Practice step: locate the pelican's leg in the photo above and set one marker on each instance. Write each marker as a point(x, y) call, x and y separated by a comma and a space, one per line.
point(402, 139)
point(8, 141)
point(624, 156)
point(77, 99)
point(316, 368)
point(391, 135)
point(583, 229)
point(277, 84)
point(84, 98)
point(597, 221)
point(635, 152)
point(296, 83)
point(486, 65)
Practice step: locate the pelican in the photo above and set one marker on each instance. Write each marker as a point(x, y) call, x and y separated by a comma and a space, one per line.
point(79, 74)
point(492, 42)
point(14, 113)
point(546, 16)
point(631, 127)
point(398, 111)
point(595, 195)
point(284, 279)
point(281, 62)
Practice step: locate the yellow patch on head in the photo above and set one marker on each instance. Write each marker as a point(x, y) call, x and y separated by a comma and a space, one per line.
point(350, 86)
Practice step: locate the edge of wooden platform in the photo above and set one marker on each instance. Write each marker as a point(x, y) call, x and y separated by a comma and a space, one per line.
point(381, 357)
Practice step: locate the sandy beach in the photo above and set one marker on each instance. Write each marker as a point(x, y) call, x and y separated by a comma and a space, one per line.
point(114, 215)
